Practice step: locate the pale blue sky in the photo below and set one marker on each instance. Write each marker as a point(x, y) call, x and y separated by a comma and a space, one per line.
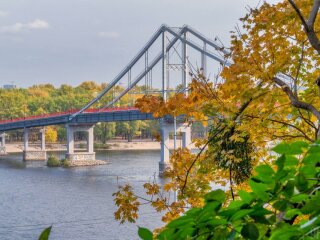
point(71, 41)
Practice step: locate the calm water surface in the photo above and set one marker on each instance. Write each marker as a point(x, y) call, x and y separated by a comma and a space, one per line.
point(77, 201)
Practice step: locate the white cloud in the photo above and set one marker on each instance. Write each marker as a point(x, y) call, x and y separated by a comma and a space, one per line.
point(38, 24)
point(24, 27)
point(3, 13)
point(111, 35)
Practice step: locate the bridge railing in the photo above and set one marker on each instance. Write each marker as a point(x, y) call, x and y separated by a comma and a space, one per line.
point(67, 113)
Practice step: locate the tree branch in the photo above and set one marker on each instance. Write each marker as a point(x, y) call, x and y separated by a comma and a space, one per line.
point(230, 180)
point(308, 121)
point(304, 135)
point(293, 126)
point(313, 13)
point(295, 7)
point(294, 99)
point(309, 24)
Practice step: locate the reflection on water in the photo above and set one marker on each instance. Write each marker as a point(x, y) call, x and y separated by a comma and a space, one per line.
point(77, 201)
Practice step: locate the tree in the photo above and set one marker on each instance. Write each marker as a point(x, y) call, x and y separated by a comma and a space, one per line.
point(62, 133)
point(128, 129)
point(51, 134)
point(13, 103)
point(268, 93)
point(278, 73)
point(105, 131)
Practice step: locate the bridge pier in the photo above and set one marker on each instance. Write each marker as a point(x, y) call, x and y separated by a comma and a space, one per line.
point(34, 155)
point(3, 150)
point(166, 129)
point(71, 155)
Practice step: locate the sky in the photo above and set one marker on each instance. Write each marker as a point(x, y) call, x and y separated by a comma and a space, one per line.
point(71, 41)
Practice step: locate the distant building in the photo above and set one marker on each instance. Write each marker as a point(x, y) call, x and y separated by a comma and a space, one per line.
point(9, 86)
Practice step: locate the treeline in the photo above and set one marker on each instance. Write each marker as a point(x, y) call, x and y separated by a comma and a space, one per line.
point(43, 99)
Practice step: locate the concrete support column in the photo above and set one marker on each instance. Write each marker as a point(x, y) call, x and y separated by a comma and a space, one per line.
point(70, 139)
point(90, 141)
point(3, 139)
point(26, 139)
point(3, 150)
point(166, 129)
point(165, 153)
point(43, 139)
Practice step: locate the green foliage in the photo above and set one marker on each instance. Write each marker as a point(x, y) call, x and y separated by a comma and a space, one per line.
point(65, 163)
point(62, 133)
point(135, 128)
point(283, 203)
point(45, 234)
point(105, 131)
point(101, 146)
point(145, 234)
point(53, 161)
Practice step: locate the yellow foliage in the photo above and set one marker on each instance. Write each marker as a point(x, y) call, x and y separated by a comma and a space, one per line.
point(51, 134)
point(127, 203)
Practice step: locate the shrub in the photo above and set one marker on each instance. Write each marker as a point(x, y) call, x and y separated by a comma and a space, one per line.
point(101, 146)
point(65, 163)
point(53, 161)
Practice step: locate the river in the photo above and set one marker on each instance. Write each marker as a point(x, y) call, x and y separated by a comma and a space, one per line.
point(78, 202)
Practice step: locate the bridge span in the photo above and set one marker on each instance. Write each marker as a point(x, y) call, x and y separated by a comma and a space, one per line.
point(89, 116)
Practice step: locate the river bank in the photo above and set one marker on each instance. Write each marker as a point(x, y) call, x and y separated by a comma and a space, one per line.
point(115, 144)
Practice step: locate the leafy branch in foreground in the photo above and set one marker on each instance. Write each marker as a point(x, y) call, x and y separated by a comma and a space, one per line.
point(283, 203)
point(45, 234)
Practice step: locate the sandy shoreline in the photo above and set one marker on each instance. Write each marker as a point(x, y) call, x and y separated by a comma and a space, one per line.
point(136, 144)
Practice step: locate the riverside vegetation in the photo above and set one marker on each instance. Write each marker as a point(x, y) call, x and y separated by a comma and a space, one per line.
point(53, 161)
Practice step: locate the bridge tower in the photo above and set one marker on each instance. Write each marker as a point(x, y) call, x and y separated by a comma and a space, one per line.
point(34, 155)
point(168, 126)
point(71, 155)
point(3, 150)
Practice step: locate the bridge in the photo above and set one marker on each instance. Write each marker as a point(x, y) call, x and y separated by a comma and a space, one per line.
point(173, 56)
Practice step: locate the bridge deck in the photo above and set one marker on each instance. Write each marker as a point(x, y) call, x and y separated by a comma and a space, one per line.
point(89, 116)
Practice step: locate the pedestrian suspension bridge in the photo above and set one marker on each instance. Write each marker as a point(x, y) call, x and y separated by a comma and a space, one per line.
point(162, 66)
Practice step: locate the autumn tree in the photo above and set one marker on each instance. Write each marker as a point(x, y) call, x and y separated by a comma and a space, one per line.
point(270, 92)
point(51, 134)
point(13, 103)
